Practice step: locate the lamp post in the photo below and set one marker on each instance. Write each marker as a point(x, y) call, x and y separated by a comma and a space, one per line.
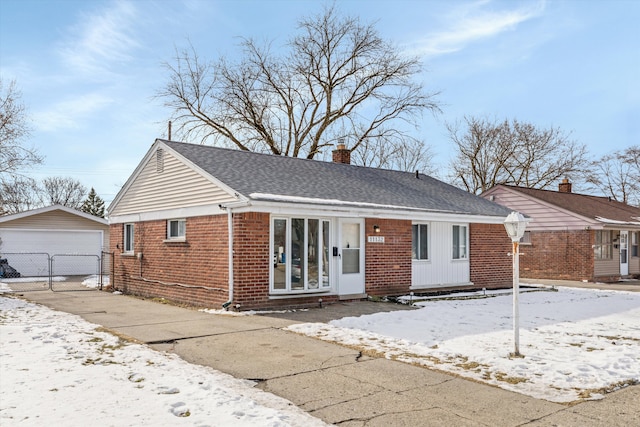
point(515, 224)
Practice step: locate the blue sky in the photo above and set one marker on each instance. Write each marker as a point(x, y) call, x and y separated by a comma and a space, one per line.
point(89, 70)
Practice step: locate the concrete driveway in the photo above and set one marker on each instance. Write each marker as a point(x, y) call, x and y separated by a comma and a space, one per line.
point(332, 382)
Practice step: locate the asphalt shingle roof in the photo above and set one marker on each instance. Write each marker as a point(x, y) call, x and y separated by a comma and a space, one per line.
point(582, 204)
point(250, 173)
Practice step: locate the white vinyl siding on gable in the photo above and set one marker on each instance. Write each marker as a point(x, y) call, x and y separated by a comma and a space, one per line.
point(175, 185)
point(440, 270)
point(546, 217)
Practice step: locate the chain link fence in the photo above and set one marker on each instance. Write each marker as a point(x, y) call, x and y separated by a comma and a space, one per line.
point(24, 272)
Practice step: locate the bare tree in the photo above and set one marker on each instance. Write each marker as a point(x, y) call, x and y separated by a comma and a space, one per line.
point(618, 175)
point(18, 194)
point(512, 152)
point(338, 79)
point(14, 128)
point(63, 191)
point(406, 154)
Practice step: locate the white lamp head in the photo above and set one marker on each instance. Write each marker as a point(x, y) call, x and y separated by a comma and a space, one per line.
point(515, 224)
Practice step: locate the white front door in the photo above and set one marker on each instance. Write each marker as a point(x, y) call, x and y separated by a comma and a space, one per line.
point(624, 253)
point(351, 256)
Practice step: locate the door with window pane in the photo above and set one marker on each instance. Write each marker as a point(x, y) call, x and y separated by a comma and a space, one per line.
point(624, 253)
point(351, 256)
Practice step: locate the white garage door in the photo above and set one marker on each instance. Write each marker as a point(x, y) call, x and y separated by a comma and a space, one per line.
point(53, 242)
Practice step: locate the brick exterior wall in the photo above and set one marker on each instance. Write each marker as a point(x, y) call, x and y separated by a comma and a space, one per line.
point(193, 272)
point(563, 255)
point(490, 264)
point(388, 264)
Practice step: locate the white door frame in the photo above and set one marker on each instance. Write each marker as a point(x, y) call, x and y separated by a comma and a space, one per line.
point(350, 282)
point(624, 252)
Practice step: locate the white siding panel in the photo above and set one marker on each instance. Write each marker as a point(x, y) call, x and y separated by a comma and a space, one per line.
point(440, 270)
point(177, 186)
point(545, 218)
point(609, 267)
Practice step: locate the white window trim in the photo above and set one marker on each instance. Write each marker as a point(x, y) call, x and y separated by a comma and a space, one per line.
point(428, 258)
point(178, 238)
point(124, 239)
point(466, 252)
point(275, 293)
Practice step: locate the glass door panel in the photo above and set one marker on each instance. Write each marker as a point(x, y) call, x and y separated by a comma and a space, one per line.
point(313, 254)
point(280, 256)
point(350, 248)
point(325, 253)
point(297, 255)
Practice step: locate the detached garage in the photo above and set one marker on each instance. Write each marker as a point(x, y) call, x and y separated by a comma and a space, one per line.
point(55, 230)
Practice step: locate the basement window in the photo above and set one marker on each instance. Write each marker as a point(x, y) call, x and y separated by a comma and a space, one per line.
point(176, 230)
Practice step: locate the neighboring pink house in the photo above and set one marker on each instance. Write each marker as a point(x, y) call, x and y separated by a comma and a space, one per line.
point(574, 236)
point(210, 226)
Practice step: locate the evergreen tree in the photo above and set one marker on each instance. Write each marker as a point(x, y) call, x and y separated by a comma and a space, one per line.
point(93, 205)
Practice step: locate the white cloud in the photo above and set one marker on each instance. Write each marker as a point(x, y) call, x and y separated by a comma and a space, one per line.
point(101, 40)
point(472, 23)
point(71, 113)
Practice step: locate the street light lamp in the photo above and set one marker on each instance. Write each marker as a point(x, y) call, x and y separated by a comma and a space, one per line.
point(515, 224)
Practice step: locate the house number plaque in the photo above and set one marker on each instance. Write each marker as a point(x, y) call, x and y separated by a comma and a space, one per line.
point(375, 239)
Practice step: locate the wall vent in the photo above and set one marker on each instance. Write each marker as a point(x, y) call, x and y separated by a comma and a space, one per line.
point(160, 160)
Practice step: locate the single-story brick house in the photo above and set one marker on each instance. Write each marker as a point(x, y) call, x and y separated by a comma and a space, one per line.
point(210, 226)
point(574, 236)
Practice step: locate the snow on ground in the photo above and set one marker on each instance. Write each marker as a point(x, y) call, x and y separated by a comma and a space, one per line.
point(57, 369)
point(577, 343)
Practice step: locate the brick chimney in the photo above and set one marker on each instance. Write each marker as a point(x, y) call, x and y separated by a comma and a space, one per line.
point(341, 154)
point(564, 186)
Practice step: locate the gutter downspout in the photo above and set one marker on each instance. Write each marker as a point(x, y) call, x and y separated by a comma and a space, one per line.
point(228, 208)
point(230, 234)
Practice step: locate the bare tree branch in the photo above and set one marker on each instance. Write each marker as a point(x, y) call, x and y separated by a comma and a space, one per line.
point(512, 152)
point(339, 78)
point(14, 128)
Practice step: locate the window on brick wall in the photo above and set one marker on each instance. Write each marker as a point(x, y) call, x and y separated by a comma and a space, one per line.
point(128, 238)
point(420, 242)
point(526, 238)
point(635, 237)
point(603, 248)
point(459, 238)
point(176, 229)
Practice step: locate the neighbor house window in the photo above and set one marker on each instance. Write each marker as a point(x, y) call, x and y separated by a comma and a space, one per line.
point(420, 241)
point(526, 238)
point(459, 242)
point(128, 238)
point(634, 244)
point(603, 248)
point(176, 229)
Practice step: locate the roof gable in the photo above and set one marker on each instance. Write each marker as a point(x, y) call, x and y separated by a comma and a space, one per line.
point(40, 211)
point(256, 176)
point(596, 208)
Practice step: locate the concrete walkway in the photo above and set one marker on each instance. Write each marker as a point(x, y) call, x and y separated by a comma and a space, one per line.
point(329, 381)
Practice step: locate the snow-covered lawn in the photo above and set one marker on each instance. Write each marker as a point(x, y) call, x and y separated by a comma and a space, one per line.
point(577, 343)
point(57, 369)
